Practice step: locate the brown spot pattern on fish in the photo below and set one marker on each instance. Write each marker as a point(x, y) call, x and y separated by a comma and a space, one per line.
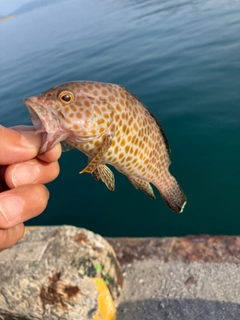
point(111, 126)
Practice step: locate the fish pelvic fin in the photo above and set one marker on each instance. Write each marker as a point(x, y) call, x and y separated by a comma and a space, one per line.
point(107, 176)
point(144, 186)
point(172, 193)
point(96, 175)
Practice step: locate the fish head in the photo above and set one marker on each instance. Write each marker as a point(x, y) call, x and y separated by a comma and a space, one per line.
point(65, 113)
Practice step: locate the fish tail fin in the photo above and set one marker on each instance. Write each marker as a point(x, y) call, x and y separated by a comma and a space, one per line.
point(172, 193)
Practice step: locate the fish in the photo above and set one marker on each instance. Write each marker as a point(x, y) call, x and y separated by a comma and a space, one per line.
point(111, 126)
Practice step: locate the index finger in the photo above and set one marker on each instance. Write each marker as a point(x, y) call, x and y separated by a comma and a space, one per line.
point(18, 147)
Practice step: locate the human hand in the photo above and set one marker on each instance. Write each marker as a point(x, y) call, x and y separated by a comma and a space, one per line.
point(22, 175)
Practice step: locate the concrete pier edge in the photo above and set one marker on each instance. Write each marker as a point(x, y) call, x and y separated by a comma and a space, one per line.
point(194, 277)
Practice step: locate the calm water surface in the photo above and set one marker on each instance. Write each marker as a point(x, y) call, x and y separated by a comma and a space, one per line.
point(181, 58)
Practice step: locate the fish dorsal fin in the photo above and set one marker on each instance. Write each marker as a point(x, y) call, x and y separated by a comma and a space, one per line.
point(161, 131)
point(154, 118)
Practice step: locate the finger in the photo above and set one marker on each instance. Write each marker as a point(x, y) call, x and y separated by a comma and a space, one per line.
point(8, 237)
point(18, 147)
point(32, 171)
point(2, 177)
point(52, 155)
point(23, 128)
point(21, 204)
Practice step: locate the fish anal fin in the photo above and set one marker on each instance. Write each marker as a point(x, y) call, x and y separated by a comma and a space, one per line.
point(94, 163)
point(172, 193)
point(144, 186)
point(107, 176)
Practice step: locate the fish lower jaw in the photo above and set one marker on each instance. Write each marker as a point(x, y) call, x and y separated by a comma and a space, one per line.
point(49, 140)
point(41, 130)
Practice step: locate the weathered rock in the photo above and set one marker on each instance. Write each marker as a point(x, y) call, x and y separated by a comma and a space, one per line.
point(59, 273)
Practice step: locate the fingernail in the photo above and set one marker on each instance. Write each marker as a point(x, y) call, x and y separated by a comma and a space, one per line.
point(24, 174)
point(11, 207)
point(30, 139)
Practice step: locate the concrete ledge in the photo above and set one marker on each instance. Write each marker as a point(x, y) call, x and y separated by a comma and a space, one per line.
point(201, 248)
point(191, 278)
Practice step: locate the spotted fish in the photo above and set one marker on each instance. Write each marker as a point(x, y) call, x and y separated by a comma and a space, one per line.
point(111, 126)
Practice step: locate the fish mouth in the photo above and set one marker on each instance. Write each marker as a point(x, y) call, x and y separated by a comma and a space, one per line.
point(45, 121)
point(35, 110)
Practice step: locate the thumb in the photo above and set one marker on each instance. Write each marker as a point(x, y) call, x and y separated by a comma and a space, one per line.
point(18, 146)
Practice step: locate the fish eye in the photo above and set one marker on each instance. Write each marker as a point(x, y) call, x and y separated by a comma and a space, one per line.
point(66, 97)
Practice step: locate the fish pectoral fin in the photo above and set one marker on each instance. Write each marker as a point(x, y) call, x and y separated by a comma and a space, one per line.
point(66, 146)
point(107, 176)
point(144, 186)
point(94, 163)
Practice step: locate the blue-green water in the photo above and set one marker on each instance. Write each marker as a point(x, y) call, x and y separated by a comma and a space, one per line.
point(181, 58)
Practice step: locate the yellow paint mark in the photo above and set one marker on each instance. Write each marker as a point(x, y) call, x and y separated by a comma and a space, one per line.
point(106, 309)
